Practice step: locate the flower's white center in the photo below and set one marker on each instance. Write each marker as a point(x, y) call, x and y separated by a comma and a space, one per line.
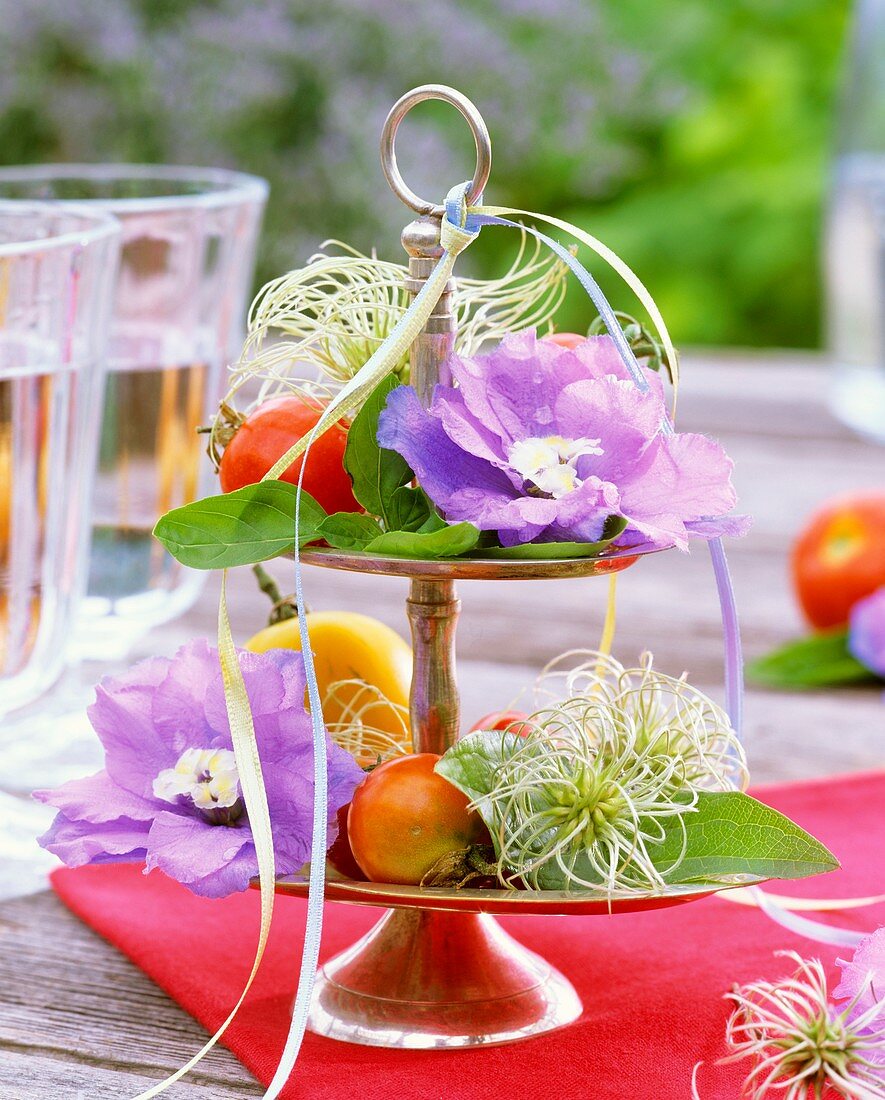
point(548, 462)
point(208, 777)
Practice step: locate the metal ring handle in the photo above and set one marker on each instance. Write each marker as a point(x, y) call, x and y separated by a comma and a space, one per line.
point(477, 127)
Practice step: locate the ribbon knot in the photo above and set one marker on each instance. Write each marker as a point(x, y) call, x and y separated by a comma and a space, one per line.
point(459, 227)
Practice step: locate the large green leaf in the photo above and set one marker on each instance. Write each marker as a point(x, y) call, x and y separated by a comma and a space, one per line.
point(446, 542)
point(732, 833)
point(820, 660)
point(376, 472)
point(251, 524)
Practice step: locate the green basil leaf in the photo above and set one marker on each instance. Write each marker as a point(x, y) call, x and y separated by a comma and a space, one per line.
point(447, 542)
point(251, 524)
point(435, 522)
point(349, 530)
point(408, 509)
point(376, 472)
point(820, 660)
point(614, 525)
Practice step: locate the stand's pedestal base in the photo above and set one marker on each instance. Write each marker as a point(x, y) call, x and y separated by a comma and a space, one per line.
point(423, 978)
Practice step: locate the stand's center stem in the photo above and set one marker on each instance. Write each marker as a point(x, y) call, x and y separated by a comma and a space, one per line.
point(433, 605)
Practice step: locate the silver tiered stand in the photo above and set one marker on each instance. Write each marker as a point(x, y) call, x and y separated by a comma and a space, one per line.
point(438, 970)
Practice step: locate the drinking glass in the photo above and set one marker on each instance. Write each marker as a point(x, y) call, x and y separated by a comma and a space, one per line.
point(855, 232)
point(57, 267)
point(189, 240)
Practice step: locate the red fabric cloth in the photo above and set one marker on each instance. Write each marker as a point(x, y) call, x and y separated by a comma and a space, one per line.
point(652, 983)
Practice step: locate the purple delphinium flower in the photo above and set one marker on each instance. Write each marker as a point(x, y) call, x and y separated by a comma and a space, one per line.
point(866, 635)
point(170, 794)
point(543, 443)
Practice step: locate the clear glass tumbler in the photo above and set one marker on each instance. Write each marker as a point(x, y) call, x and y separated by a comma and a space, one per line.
point(57, 268)
point(189, 240)
point(855, 232)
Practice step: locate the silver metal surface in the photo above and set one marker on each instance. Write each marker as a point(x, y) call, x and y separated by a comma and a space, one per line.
point(432, 347)
point(433, 606)
point(388, 139)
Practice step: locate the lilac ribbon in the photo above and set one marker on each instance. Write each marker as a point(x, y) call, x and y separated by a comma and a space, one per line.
point(733, 659)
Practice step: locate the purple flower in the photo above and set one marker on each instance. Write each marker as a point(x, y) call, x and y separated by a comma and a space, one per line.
point(170, 792)
point(866, 635)
point(544, 443)
point(863, 979)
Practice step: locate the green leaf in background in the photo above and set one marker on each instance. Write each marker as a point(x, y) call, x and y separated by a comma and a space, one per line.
point(446, 542)
point(349, 530)
point(820, 660)
point(408, 509)
point(732, 833)
point(250, 525)
point(376, 472)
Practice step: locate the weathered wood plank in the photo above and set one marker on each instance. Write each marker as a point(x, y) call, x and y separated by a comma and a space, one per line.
point(68, 996)
point(32, 1074)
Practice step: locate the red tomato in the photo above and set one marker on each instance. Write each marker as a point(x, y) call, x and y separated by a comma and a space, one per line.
point(404, 817)
point(565, 339)
point(839, 557)
point(501, 720)
point(340, 854)
point(266, 435)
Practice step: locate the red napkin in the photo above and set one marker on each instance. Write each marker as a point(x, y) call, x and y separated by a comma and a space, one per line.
point(652, 984)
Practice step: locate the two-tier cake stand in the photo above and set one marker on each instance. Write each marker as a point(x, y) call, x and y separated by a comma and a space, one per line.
point(438, 970)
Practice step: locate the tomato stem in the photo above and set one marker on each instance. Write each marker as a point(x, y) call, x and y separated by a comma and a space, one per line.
point(284, 607)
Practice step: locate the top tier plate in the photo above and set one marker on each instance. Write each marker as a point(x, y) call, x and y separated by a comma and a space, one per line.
point(485, 569)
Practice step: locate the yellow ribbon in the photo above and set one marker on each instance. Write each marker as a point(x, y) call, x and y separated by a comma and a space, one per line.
point(255, 796)
point(454, 239)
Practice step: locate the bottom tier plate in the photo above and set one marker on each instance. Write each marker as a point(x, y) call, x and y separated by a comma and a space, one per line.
point(503, 902)
point(438, 971)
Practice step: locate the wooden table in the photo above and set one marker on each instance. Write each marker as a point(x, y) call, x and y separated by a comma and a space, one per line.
point(78, 1022)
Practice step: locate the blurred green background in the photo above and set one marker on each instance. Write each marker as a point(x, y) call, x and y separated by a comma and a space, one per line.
point(693, 136)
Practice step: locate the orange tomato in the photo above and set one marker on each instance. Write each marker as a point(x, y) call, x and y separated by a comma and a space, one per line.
point(502, 720)
point(404, 817)
point(839, 557)
point(565, 339)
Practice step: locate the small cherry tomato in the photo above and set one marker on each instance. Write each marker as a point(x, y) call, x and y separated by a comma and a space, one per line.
point(514, 720)
point(269, 431)
point(839, 557)
point(565, 339)
point(339, 853)
point(404, 817)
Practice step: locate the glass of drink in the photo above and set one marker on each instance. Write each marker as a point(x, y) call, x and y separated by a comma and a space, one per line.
point(57, 267)
point(189, 240)
point(855, 233)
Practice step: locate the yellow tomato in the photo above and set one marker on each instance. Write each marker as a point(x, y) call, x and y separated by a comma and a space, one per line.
point(369, 664)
